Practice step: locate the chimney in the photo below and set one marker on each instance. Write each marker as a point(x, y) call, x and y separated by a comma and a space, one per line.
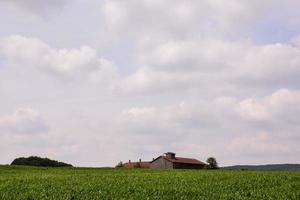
point(170, 155)
point(140, 160)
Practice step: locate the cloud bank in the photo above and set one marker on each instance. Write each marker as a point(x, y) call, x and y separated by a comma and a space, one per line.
point(133, 79)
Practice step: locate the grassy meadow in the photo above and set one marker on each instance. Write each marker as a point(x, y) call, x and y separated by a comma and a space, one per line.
point(25, 183)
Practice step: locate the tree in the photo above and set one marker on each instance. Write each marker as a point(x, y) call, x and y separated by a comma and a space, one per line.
point(212, 163)
point(39, 162)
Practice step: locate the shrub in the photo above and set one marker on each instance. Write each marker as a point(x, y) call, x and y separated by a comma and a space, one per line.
point(39, 162)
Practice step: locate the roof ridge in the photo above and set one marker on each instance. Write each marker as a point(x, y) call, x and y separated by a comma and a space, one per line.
point(186, 158)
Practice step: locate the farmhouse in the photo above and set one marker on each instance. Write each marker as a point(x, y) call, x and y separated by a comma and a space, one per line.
point(170, 161)
point(167, 161)
point(140, 164)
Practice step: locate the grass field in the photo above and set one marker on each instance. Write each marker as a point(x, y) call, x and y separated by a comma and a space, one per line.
point(80, 183)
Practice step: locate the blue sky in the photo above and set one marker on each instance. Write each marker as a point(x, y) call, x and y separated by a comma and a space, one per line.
point(93, 83)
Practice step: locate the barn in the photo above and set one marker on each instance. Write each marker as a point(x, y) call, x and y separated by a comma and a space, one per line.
point(139, 164)
point(170, 161)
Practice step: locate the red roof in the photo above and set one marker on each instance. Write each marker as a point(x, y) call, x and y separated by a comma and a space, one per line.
point(143, 164)
point(183, 160)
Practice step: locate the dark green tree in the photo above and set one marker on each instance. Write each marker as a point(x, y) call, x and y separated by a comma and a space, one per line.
point(212, 163)
point(39, 162)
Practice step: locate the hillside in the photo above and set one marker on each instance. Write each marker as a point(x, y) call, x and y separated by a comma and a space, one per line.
point(271, 167)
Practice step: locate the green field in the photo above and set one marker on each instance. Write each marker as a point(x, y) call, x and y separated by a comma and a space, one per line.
point(79, 183)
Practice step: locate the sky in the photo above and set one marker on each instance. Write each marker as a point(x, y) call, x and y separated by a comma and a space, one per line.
point(96, 82)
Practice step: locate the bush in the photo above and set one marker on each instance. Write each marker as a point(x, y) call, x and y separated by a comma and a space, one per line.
point(39, 162)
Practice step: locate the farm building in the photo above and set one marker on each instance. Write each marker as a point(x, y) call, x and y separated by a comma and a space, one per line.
point(140, 164)
point(169, 161)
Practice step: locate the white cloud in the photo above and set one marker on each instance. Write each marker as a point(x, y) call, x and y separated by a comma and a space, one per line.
point(23, 121)
point(181, 18)
point(191, 44)
point(136, 112)
point(196, 77)
point(68, 63)
point(251, 110)
point(296, 41)
point(179, 120)
point(35, 6)
point(282, 105)
point(259, 127)
point(274, 63)
point(177, 65)
point(257, 144)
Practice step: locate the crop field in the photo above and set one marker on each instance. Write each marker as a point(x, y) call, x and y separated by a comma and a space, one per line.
point(83, 183)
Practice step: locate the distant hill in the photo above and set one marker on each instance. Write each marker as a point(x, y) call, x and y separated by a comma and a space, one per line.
point(272, 167)
point(39, 162)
